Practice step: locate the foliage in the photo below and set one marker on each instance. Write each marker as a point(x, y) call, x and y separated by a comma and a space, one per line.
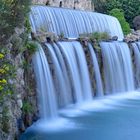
point(7, 72)
point(95, 38)
point(131, 8)
point(136, 23)
point(32, 47)
point(99, 36)
point(118, 13)
point(5, 119)
point(27, 107)
point(13, 13)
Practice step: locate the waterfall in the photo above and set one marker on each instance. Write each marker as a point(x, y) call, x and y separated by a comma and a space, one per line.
point(61, 87)
point(67, 80)
point(77, 65)
point(99, 87)
point(72, 23)
point(45, 86)
point(117, 63)
point(136, 48)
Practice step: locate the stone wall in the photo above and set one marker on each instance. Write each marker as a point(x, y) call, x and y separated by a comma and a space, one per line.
point(74, 4)
point(19, 110)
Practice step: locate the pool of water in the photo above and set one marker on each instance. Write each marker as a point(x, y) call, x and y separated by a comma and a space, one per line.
point(111, 118)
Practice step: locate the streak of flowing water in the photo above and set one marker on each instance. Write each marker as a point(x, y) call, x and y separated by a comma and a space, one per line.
point(45, 86)
point(61, 87)
point(118, 73)
point(67, 80)
point(136, 48)
point(72, 23)
point(99, 87)
point(77, 65)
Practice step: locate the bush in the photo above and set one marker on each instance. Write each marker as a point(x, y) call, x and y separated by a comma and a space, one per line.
point(136, 23)
point(118, 13)
point(12, 14)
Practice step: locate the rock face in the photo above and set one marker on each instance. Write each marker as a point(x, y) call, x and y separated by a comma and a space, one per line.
point(74, 4)
point(16, 108)
point(132, 37)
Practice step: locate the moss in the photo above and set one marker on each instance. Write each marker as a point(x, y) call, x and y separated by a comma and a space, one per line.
point(5, 120)
point(27, 107)
point(32, 47)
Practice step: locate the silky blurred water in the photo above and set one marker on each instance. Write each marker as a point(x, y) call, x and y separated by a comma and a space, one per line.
point(116, 119)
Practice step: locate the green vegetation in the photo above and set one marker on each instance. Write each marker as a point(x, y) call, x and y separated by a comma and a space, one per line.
point(13, 14)
point(27, 107)
point(95, 38)
point(7, 72)
point(5, 119)
point(31, 47)
point(131, 8)
point(120, 16)
point(99, 36)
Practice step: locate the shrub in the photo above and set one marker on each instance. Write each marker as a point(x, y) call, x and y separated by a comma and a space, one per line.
point(118, 13)
point(27, 107)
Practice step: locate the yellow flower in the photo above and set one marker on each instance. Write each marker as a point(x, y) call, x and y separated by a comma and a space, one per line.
point(6, 67)
point(3, 81)
point(2, 71)
point(1, 55)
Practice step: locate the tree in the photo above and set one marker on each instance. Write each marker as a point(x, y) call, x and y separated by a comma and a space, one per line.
point(118, 13)
point(131, 8)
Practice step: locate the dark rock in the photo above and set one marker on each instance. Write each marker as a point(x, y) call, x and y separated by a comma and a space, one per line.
point(114, 38)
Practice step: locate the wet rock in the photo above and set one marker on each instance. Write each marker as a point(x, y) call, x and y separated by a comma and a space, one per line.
point(132, 37)
point(114, 38)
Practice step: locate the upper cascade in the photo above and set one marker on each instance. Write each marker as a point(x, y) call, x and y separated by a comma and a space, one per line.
point(71, 23)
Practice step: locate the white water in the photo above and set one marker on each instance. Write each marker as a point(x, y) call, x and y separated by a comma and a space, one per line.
point(61, 88)
point(99, 87)
point(72, 23)
point(117, 63)
point(79, 74)
point(71, 82)
point(45, 87)
point(136, 48)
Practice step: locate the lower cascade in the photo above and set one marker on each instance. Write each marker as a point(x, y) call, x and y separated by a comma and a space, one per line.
point(74, 76)
point(63, 76)
point(136, 49)
point(117, 67)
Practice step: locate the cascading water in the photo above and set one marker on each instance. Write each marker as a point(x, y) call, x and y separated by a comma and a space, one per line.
point(76, 61)
point(99, 87)
point(45, 86)
point(63, 78)
point(118, 73)
point(71, 80)
point(61, 89)
point(72, 23)
point(71, 59)
point(136, 48)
